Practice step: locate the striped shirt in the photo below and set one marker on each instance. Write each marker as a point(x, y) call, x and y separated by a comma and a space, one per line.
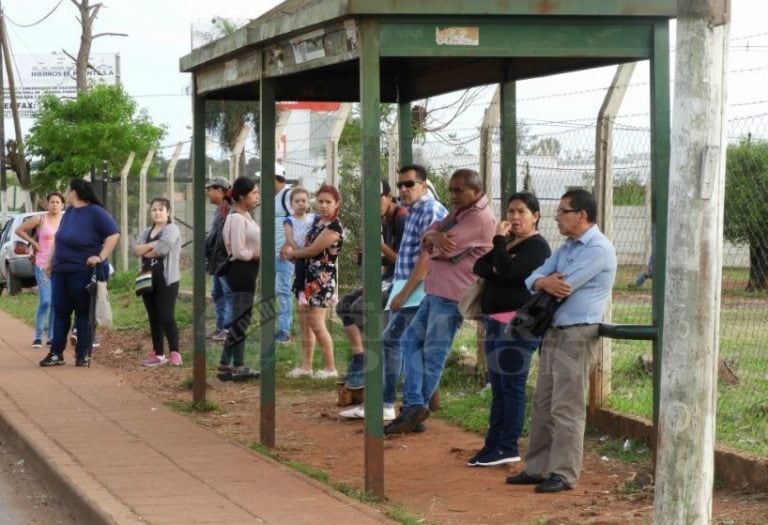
point(421, 214)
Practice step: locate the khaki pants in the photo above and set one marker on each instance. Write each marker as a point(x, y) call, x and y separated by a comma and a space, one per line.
point(556, 440)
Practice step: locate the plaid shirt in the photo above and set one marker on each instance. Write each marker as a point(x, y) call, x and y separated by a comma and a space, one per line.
point(421, 214)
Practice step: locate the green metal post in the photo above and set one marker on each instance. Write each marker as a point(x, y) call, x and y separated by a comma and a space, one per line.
point(268, 301)
point(660, 136)
point(198, 246)
point(371, 173)
point(405, 133)
point(508, 122)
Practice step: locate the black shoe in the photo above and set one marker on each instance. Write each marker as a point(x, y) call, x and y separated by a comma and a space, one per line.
point(224, 368)
point(472, 462)
point(83, 361)
point(522, 478)
point(52, 360)
point(497, 457)
point(224, 376)
point(407, 421)
point(554, 483)
point(419, 428)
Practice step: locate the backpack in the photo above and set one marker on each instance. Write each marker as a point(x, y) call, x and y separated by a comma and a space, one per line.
point(216, 257)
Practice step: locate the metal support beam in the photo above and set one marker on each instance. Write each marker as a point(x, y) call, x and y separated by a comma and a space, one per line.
point(198, 245)
point(369, 105)
point(268, 301)
point(508, 116)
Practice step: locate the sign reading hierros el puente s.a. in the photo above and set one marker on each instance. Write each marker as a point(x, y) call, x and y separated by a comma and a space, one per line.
point(54, 73)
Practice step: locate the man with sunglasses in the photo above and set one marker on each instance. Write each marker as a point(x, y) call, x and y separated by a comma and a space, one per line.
point(407, 283)
point(450, 248)
point(582, 270)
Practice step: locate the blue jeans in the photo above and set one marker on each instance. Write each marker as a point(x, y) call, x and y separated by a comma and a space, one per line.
point(222, 302)
point(44, 308)
point(426, 344)
point(509, 360)
point(393, 361)
point(71, 296)
point(283, 286)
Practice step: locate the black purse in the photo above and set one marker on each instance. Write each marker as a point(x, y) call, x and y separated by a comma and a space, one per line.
point(535, 316)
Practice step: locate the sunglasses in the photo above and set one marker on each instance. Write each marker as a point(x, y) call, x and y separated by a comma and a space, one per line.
point(407, 184)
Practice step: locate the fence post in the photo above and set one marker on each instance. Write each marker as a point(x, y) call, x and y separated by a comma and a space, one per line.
point(600, 379)
point(170, 175)
point(143, 190)
point(124, 229)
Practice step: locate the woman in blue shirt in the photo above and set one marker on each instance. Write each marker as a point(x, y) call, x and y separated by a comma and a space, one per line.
point(85, 238)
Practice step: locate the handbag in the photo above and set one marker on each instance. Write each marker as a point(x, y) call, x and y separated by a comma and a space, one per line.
point(470, 304)
point(142, 285)
point(535, 316)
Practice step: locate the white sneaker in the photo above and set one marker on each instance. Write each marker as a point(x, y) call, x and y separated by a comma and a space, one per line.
point(299, 372)
point(389, 413)
point(326, 374)
point(358, 412)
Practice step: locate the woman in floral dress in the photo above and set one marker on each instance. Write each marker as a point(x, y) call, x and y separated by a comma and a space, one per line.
point(319, 292)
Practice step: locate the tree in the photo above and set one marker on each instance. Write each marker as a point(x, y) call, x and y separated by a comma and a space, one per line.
point(88, 14)
point(548, 147)
point(746, 213)
point(69, 137)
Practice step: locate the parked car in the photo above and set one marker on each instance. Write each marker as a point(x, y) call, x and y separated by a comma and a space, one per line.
point(17, 270)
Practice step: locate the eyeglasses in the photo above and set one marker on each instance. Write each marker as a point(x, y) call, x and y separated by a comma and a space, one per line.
point(563, 211)
point(407, 184)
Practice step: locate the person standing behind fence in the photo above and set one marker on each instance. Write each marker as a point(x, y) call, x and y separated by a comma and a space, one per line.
point(85, 238)
point(517, 250)
point(242, 238)
point(46, 224)
point(283, 267)
point(217, 190)
point(582, 270)
point(159, 248)
point(320, 253)
point(296, 227)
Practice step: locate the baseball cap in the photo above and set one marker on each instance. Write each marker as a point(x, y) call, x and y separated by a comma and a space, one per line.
point(218, 182)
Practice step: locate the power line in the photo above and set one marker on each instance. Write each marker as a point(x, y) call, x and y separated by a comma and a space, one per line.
point(34, 23)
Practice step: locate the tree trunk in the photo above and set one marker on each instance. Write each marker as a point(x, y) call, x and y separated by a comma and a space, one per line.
point(758, 267)
point(87, 16)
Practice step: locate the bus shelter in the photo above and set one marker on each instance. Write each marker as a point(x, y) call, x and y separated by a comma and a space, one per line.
point(395, 51)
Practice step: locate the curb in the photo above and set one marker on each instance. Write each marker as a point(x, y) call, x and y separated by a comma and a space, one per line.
point(58, 471)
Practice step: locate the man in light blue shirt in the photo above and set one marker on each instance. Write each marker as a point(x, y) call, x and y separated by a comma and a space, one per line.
point(581, 272)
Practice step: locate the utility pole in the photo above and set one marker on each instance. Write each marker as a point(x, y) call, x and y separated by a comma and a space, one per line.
point(20, 163)
point(3, 179)
point(687, 403)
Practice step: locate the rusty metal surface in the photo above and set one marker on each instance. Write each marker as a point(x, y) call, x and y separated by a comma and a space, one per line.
point(293, 17)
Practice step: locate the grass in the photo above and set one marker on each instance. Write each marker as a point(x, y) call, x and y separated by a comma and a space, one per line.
point(191, 406)
point(742, 418)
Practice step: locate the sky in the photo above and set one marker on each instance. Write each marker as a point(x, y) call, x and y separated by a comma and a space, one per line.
point(159, 35)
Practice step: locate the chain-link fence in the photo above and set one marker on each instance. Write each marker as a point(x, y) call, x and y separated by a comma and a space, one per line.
point(553, 157)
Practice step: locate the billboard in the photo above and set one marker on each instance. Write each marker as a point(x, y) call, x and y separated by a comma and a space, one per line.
point(54, 73)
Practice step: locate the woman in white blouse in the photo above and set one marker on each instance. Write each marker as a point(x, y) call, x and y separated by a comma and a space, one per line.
point(242, 238)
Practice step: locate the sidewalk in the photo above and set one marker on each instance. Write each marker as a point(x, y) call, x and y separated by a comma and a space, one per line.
point(116, 456)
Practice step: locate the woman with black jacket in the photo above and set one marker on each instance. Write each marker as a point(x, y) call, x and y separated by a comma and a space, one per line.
point(518, 249)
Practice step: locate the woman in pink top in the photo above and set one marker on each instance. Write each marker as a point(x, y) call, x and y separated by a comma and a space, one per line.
point(242, 238)
point(46, 225)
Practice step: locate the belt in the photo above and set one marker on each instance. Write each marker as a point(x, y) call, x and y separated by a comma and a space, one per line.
point(566, 327)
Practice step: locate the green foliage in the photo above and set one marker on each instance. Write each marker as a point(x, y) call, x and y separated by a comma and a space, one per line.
point(70, 137)
point(629, 193)
point(746, 192)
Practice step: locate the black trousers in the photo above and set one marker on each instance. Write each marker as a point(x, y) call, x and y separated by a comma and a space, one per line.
point(161, 310)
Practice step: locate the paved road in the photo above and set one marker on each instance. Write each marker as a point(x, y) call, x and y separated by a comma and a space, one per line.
point(23, 499)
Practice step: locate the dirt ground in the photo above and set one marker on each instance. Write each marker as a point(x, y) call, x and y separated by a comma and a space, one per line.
point(425, 474)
